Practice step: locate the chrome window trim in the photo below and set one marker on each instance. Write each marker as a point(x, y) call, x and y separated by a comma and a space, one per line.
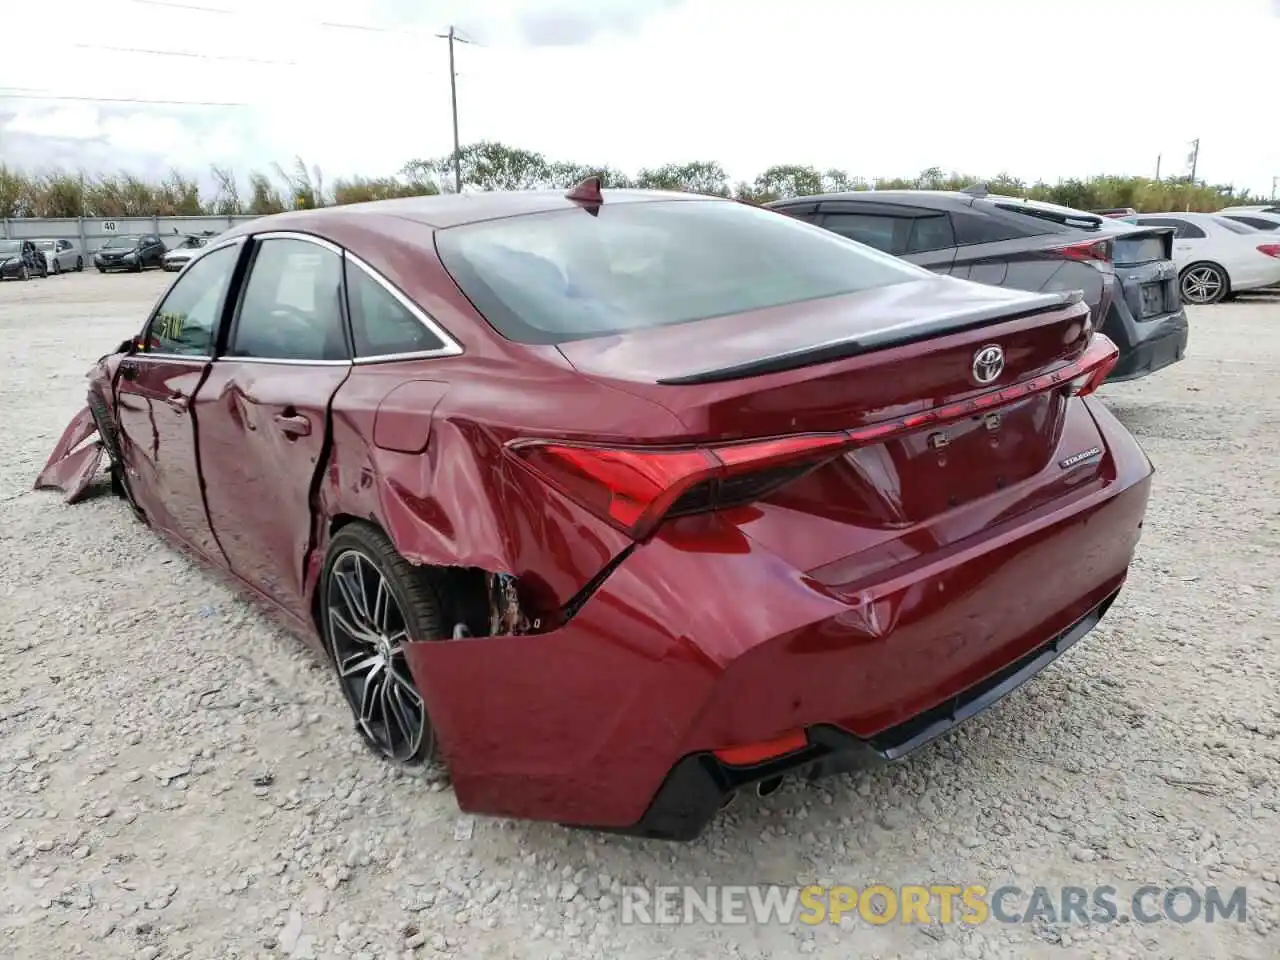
point(450, 347)
point(305, 237)
point(187, 357)
point(287, 361)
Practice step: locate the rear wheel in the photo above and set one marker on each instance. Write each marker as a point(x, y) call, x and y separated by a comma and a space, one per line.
point(372, 603)
point(79, 264)
point(1203, 283)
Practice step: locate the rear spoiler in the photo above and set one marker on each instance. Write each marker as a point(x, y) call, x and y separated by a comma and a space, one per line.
point(895, 336)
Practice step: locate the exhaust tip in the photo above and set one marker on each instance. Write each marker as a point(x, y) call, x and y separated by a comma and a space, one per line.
point(766, 787)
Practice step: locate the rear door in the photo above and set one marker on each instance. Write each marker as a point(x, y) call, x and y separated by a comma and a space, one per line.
point(153, 395)
point(264, 411)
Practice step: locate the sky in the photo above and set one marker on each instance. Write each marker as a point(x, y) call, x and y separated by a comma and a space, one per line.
point(1041, 89)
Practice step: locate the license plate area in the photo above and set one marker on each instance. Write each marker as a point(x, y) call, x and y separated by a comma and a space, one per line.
point(1153, 299)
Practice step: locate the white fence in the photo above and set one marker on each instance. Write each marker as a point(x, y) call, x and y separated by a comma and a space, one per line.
point(92, 232)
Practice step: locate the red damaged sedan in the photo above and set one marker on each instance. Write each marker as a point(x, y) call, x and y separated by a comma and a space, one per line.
point(618, 504)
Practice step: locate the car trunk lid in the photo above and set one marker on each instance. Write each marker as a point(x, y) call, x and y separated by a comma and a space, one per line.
point(872, 409)
point(1144, 265)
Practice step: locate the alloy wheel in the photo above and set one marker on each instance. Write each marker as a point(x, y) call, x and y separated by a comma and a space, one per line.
point(367, 633)
point(1202, 285)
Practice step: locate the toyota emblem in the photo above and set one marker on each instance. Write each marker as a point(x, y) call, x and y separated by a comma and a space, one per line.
point(988, 364)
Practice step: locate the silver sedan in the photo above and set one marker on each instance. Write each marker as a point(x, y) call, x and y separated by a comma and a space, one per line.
point(62, 255)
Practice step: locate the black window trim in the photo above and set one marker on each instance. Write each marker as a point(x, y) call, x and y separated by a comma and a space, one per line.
point(234, 322)
point(201, 358)
point(449, 347)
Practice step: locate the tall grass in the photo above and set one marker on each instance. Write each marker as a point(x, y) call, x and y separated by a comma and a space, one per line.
point(495, 166)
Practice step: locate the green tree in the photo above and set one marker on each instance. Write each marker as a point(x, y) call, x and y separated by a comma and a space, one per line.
point(699, 176)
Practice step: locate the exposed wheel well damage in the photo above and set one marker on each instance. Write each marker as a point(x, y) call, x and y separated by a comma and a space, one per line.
point(477, 602)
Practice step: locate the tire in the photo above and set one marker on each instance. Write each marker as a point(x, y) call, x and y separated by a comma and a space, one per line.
point(1203, 283)
point(111, 443)
point(411, 608)
point(102, 269)
point(79, 264)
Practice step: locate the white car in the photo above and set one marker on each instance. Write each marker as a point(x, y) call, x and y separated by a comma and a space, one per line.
point(1216, 256)
point(177, 258)
point(1257, 217)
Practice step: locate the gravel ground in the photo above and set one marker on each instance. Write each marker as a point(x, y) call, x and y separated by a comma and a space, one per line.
point(179, 778)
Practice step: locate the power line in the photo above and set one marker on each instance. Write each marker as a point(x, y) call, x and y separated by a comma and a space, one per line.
point(183, 53)
point(168, 103)
point(184, 6)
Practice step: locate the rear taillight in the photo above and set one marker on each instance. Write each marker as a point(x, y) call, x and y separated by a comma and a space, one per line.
point(635, 488)
point(1091, 251)
point(1270, 249)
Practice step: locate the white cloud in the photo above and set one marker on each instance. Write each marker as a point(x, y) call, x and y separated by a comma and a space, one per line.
point(1050, 88)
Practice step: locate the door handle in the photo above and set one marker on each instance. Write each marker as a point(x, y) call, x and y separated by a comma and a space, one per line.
point(293, 426)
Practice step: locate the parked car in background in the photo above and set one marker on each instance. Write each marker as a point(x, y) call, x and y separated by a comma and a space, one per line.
point(1216, 256)
point(1115, 212)
point(512, 461)
point(1026, 245)
point(1255, 208)
point(134, 253)
point(61, 255)
point(1258, 219)
point(177, 258)
point(20, 260)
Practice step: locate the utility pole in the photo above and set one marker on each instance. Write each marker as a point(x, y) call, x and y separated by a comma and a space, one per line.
point(1159, 157)
point(451, 36)
point(1274, 181)
point(1195, 156)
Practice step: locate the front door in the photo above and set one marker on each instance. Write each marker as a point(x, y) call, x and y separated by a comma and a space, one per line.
point(154, 390)
point(264, 409)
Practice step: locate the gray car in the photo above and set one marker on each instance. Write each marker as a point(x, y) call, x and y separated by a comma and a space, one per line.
point(1127, 277)
point(62, 255)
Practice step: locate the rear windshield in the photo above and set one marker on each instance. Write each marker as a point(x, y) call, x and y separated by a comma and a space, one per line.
point(570, 275)
point(1140, 250)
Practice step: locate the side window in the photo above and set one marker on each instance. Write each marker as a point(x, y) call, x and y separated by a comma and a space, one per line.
point(380, 323)
point(1183, 229)
point(1253, 221)
point(291, 309)
point(188, 316)
point(930, 233)
point(973, 227)
point(884, 233)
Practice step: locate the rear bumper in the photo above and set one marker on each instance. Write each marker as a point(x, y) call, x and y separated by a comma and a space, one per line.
point(701, 784)
point(702, 640)
point(1145, 345)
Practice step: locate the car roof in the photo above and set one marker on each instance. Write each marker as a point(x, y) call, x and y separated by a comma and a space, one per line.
point(451, 209)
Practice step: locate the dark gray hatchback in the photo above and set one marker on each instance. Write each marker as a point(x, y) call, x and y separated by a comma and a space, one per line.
point(1126, 272)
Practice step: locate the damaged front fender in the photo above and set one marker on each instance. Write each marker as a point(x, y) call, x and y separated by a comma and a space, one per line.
point(75, 459)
